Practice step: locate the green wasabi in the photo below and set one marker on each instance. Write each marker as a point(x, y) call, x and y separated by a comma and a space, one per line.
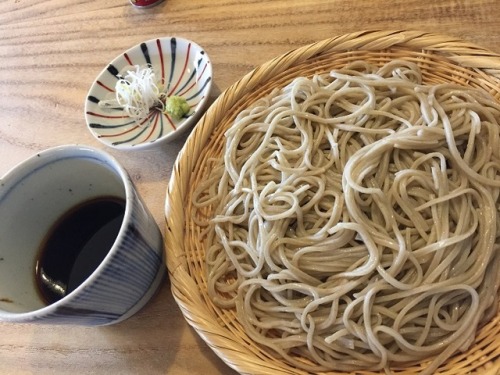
point(177, 107)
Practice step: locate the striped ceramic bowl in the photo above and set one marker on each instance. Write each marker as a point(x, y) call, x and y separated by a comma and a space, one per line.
point(181, 68)
point(35, 195)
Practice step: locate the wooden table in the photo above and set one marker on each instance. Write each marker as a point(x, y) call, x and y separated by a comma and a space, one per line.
point(51, 51)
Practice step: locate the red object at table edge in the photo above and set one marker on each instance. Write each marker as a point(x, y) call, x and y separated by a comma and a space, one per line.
point(145, 3)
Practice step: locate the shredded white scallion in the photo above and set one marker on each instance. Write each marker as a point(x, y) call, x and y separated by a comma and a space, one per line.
point(136, 92)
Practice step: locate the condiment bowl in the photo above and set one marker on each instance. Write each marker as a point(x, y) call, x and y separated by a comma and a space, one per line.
point(181, 69)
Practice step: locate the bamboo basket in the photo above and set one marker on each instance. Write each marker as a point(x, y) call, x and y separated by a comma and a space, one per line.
point(441, 59)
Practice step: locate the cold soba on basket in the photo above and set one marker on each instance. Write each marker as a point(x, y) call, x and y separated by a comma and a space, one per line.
point(349, 221)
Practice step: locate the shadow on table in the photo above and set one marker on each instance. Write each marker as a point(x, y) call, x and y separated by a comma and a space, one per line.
point(158, 340)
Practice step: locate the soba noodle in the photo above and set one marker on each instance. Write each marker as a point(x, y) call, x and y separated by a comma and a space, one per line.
point(354, 219)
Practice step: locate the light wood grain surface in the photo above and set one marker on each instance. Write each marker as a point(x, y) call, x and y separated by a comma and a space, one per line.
point(50, 53)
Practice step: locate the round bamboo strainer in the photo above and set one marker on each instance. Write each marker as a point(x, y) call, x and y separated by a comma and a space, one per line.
point(442, 59)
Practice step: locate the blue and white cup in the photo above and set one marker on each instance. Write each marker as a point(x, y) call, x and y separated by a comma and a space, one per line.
point(36, 194)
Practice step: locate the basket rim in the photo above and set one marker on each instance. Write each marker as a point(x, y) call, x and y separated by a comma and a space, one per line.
point(184, 288)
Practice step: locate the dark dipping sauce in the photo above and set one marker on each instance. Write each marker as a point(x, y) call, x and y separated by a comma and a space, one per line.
point(76, 245)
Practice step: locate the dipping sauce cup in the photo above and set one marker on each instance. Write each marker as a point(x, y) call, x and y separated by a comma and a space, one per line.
point(77, 244)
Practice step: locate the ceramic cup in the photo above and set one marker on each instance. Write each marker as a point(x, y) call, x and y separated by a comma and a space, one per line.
point(33, 197)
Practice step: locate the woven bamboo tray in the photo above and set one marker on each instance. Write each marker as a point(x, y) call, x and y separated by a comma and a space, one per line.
point(441, 59)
